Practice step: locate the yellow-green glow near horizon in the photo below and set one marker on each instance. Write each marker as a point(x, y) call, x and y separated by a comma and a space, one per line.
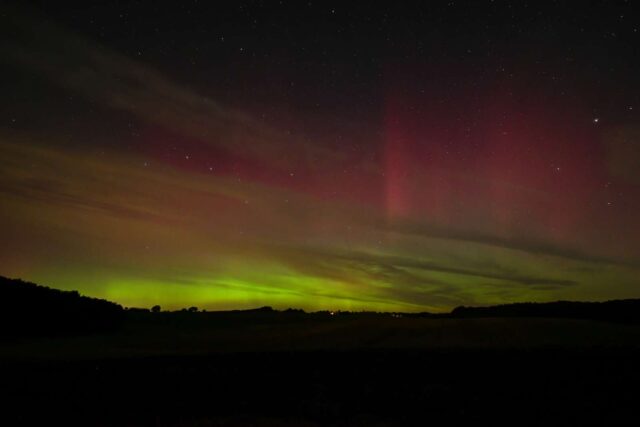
point(149, 192)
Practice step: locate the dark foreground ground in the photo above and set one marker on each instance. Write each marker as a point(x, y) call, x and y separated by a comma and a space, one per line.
point(363, 388)
point(276, 369)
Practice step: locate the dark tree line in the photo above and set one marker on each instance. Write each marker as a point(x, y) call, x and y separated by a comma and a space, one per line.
point(30, 309)
point(617, 310)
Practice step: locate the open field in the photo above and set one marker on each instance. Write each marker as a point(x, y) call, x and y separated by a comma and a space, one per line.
point(204, 333)
point(290, 369)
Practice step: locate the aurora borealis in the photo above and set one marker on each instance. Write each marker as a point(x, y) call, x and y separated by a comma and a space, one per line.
point(322, 156)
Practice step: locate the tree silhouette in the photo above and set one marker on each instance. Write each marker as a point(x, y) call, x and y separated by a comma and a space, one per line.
point(52, 311)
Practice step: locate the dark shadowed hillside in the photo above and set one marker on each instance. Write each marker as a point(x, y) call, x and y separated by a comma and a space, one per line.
point(30, 309)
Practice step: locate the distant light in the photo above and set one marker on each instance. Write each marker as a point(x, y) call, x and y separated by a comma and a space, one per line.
point(596, 120)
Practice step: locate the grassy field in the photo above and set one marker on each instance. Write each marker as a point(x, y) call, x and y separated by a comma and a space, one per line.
point(271, 369)
point(188, 334)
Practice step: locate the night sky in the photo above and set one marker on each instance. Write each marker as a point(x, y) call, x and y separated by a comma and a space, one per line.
point(321, 155)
